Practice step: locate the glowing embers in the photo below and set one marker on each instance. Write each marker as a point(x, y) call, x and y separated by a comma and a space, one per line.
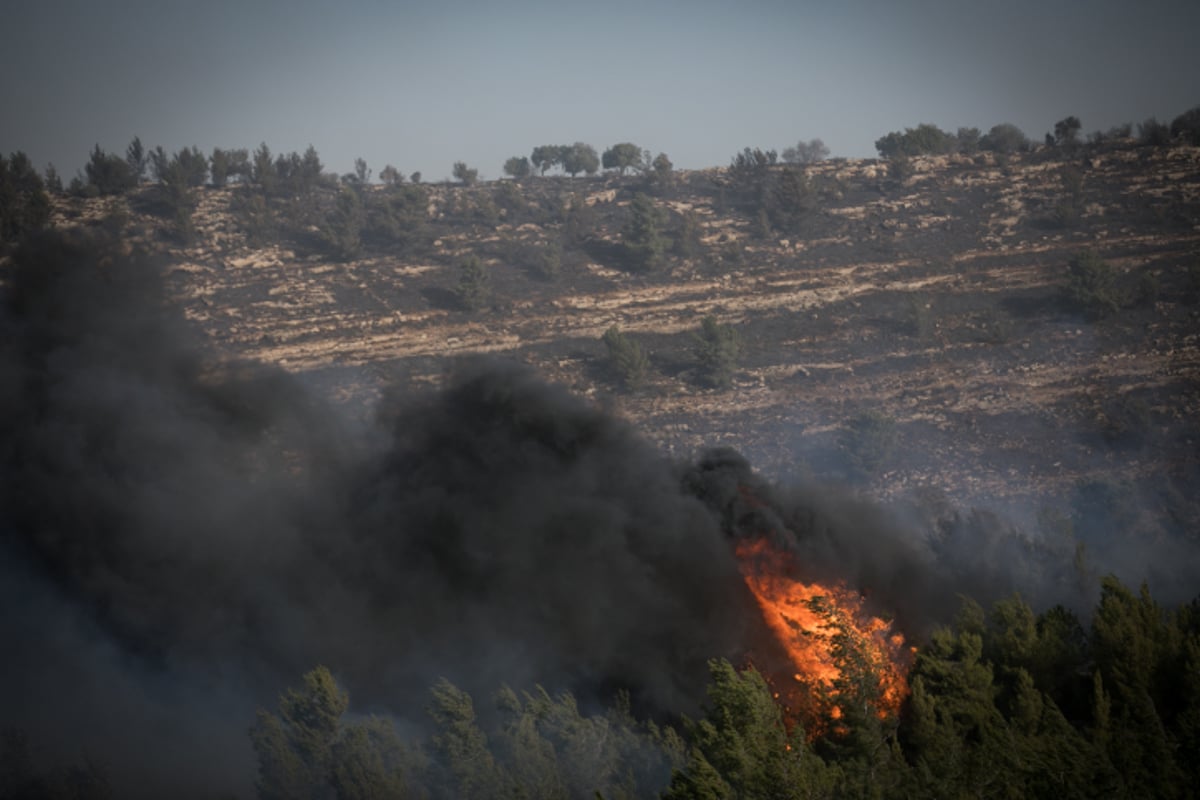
point(844, 662)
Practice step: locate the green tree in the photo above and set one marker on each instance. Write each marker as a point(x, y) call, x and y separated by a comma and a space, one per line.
point(580, 157)
point(294, 748)
point(1004, 138)
point(1186, 127)
point(24, 205)
point(474, 289)
point(343, 227)
point(465, 174)
point(518, 167)
point(809, 152)
point(643, 238)
point(263, 172)
point(460, 757)
point(622, 156)
point(1091, 284)
point(135, 157)
point(661, 176)
point(717, 348)
point(1066, 132)
point(626, 358)
point(967, 141)
point(791, 200)
point(742, 749)
point(548, 156)
point(391, 176)
point(109, 173)
point(218, 166)
point(925, 139)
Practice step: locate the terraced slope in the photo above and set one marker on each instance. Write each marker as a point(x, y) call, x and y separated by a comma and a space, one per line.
point(935, 301)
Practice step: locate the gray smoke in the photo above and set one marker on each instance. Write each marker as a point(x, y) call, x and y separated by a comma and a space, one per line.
point(181, 537)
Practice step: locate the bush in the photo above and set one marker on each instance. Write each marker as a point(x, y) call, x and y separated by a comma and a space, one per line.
point(643, 239)
point(626, 358)
point(925, 139)
point(109, 173)
point(24, 204)
point(809, 152)
point(717, 349)
point(342, 230)
point(465, 174)
point(1186, 127)
point(1091, 285)
point(1153, 133)
point(473, 289)
point(1005, 138)
point(518, 167)
point(868, 440)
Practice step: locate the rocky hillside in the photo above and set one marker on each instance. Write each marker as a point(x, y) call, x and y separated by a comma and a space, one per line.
point(932, 304)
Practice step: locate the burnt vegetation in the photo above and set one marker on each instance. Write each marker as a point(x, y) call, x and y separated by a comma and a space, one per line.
point(991, 338)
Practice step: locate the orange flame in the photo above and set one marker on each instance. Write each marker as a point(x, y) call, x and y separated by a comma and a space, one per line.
point(841, 658)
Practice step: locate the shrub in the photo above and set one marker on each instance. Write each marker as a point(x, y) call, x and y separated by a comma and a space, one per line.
point(464, 174)
point(925, 139)
point(473, 289)
point(343, 227)
point(1153, 133)
point(1186, 127)
point(1005, 138)
point(109, 173)
point(626, 358)
point(1091, 285)
point(809, 152)
point(868, 440)
point(717, 349)
point(643, 239)
point(24, 204)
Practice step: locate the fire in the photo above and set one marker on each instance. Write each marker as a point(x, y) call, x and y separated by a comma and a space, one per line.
point(840, 657)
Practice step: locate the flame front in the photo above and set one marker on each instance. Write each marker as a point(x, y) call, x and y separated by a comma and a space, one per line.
point(842, 659)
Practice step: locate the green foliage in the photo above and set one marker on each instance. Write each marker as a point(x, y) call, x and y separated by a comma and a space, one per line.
point(925, 139)
point(398, 217)
point(391, 176)
point(1186, 127)
point(518, 167)
point(868, 440)
point(109, 173)
point(1153, 133)
point(254, 217)
point(741, 748)
point(262, 170)
point(966, 141)
point(1091, 285)
point(626, 358)
point(547, 156)
point(1066, 132)
point(717, 348)
point(809, 152)
point(464, 174)
point(791, 200)
point(1005, 138)
point(218, 165)
point(643, 237)
point(473, 290)
point(580, 157)
point(661, 176)
point(24, 204)
point(136, 158)
point(622, 156)
point(343, 227)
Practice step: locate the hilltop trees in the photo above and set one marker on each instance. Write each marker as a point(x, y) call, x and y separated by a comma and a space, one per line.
point(809, 152)
point(622, 157)
point(109, 173)
point(464, 174)
point(24, 204)
point(518, 167)
point(546, 157)
point(1005, 138)
point(580, 157)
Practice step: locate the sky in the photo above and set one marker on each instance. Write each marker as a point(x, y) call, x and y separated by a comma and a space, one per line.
point(420, 85)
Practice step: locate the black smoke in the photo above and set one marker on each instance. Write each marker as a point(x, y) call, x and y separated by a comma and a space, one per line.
point(183, 535)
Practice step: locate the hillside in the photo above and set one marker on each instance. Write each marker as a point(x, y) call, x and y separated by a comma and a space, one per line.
point(935, 300)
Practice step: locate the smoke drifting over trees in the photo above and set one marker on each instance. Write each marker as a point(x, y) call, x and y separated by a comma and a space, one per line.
point(182, 536)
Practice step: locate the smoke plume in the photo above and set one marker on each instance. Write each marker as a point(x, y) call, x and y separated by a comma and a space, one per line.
point(182, 536)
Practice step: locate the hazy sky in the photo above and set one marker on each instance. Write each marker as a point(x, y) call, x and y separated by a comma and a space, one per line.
point(421, 85)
